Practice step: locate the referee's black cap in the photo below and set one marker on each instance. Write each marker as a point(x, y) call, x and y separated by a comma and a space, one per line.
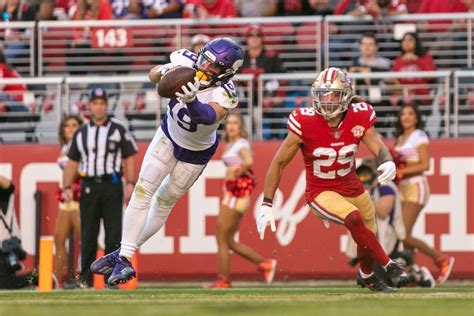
point(98, 93)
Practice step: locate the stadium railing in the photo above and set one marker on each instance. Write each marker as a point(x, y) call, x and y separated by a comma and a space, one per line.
point(447, 36)
point(134, 99)
point(463, 109)
point(130, 46)
point(19, 45)
point(41, 114)
point(378, 88)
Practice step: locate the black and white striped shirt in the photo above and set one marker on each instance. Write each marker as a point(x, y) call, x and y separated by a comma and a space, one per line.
point(100, 149)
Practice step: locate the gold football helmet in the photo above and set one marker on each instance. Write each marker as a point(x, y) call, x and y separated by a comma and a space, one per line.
point(331, 92)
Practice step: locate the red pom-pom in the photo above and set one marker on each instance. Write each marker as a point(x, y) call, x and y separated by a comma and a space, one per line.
point(242, 186)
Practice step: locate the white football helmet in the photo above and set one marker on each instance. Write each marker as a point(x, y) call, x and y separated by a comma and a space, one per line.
point(331, 92)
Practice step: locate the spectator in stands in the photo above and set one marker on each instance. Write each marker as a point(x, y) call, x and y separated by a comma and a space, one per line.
point(305, 7)
point(414, 58)
point(157, 9)
point(198, 41)
point(68, 220)
point(16, 39)
point(370, 61)
point(257, 61)
point(443, 6)
point(375, 8)
point(11, 96)
point(206, 9)
point(65, 9)
point(16, 10)
point(256, 8)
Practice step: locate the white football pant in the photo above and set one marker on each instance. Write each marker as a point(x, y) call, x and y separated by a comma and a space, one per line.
point(163, 178)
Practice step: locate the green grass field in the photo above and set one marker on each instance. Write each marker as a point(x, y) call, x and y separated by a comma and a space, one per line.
point(337, 300)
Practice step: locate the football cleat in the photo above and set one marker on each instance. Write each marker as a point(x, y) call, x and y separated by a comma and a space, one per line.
point(373, 283)
point(268, 268)
point(427, 279)
point(104, 265)
point(123, 272)
point(221, 283)
point(397, 274)
point(445, 268)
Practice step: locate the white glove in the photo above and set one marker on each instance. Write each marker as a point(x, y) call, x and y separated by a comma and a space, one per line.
point(265, 217)
point(388, 171)
point(164, 68)
point(189, 91)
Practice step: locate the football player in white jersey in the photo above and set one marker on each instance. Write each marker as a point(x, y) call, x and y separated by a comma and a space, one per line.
point(180, 149)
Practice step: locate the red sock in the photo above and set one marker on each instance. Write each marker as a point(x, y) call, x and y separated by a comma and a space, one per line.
point(365, 260)
point(365, 239)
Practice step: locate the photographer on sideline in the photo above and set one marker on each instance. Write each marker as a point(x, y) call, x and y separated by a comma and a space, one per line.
point(11, 252)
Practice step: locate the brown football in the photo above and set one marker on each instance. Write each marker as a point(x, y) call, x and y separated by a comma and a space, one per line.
point(174, 79)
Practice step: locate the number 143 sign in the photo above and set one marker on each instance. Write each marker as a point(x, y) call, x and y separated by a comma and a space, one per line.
point(111, 38)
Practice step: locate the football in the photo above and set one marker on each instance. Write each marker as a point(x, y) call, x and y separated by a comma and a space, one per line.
point(174, 79)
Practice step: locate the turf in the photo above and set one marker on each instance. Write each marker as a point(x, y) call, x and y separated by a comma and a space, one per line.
point(451, 301)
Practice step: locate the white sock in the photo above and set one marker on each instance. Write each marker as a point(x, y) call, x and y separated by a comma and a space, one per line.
point(157, 217)
point(365, 276)
point(135, 219)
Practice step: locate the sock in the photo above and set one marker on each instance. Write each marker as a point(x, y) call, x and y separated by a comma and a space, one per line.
point(366, 262)
point(364, 275)
point(135, 218)
point(157, 217)
point(365, 238)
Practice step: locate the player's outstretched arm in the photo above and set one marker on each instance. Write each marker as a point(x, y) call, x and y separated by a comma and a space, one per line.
point(284, 155)
point(386, 166)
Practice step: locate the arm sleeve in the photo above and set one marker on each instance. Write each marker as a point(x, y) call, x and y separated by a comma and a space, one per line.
point(127, 143)
point(386, 190)
point(73, 152)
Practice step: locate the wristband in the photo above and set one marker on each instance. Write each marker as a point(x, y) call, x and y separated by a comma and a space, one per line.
point(67, 188)
point(131, 182)
point(267, 200)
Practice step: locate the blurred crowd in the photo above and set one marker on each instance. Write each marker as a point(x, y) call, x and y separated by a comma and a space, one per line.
point(264, 44)
point(29, 10)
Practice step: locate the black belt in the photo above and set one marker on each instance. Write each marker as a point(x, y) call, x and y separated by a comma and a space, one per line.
point(102, 178)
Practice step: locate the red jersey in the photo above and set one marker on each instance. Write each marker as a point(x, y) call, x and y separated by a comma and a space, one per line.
point(15, 91)
point(329, 153)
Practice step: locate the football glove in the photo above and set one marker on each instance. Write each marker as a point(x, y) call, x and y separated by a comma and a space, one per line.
point(189, 91)
point(164, 68)
point(388, 171)
point(264, 218)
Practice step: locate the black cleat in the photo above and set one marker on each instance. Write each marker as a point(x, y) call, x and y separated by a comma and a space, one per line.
point(374, 283)
point(397, 275)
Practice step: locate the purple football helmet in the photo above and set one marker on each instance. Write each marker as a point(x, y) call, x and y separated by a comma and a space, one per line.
point(218, 61)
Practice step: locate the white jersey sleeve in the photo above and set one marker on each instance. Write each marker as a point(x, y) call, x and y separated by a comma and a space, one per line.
point(183, 57)
point(225, 95)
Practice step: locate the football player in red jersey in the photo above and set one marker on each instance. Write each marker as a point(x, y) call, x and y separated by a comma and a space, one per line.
point(328, 135)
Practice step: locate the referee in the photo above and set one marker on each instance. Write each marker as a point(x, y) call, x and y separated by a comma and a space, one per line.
point(98, 149)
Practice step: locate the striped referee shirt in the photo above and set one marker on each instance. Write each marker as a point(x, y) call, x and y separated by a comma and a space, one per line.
point(100, 149)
